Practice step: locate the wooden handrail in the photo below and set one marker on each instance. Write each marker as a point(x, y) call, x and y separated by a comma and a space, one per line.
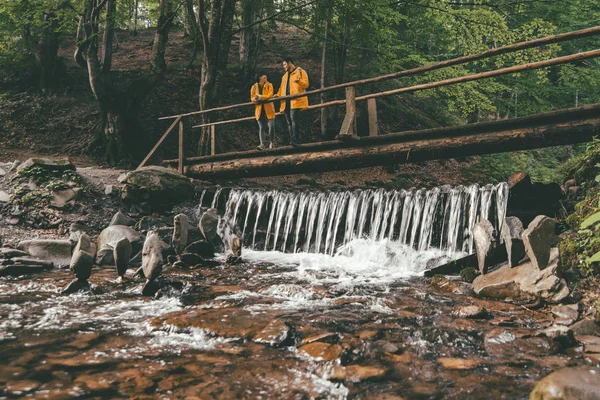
point(430, 67)
point(445, 82)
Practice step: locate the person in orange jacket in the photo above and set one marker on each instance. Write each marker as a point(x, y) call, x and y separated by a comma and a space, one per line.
point(264, 112)
point(293, 81)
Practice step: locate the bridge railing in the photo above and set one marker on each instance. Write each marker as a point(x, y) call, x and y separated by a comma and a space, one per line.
point(348, 129)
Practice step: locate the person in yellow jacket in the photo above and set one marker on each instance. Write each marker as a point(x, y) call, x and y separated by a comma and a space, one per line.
point(264, 112)
point(293, 81)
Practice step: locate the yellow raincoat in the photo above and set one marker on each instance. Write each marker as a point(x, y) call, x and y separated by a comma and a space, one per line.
point(295, 88)
point(267, 93)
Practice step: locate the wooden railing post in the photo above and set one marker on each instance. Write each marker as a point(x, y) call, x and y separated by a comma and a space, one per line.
point(180, 163)
point(348, 129)
point(373, 125)
point(213, 146)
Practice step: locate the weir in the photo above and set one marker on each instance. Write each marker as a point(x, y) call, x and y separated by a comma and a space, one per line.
point(323, 221)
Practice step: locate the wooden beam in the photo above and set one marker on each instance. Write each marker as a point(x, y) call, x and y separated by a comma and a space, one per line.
point(426, 68)
point(162, 139)
point(213, 138)
point(181, 158)
point(545, 135)
point(372, 111)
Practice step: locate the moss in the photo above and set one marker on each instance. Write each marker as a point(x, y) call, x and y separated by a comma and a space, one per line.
point(468, 274)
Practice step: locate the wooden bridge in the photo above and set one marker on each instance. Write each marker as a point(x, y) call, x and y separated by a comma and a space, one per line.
point(349, 150)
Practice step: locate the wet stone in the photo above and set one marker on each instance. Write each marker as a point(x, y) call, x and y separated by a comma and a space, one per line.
point(22, 387)
point(585, 327)
point(328, 337)
point(474, 312)
point(273, 334)
point(457, 363)
point(360, 373)
point(579, 383)
point(591, 344)
point(322, 351)
point(565, 314)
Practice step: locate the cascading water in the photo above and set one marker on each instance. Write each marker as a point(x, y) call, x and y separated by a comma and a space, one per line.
point(323, 222)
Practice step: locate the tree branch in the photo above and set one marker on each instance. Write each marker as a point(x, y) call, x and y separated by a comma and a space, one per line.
point(273, 16)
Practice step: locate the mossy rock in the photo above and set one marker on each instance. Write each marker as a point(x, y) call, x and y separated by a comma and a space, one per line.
point(56, 164)
point(468, 274)
point(161, 187)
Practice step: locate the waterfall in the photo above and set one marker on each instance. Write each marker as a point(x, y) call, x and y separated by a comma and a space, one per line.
point(322, 221)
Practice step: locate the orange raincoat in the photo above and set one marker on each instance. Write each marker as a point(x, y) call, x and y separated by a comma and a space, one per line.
point(267, 93)
point(295, 88)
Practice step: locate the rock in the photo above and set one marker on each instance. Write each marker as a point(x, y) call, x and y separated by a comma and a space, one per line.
point(57, 164)
point(208, 224)
point(60, 198)
point(122, 255)
point(570, 183)
point(84, 243)
point(109, 190)
point(511, 232)
point(75, 286)
point(121, 219)
point(7, 252)
point(585, 327)
point(273, 334)
point(327, 337)
point(565, 314)
point(591, 344)
point(20, 269)
point(161, 187)
point(14, 166)
point(150, 223)
point(468, 274)
point(474, 312)
point(190, 259)
point(108, 239)
point(2, 172)
point(77, 226)
point(236, 245)
point(483, 236)
point(152, 258)
point(538, 238)
point(322, 351)
point(81, 264)
point(360, 373)
point(180, 232)
point(457, 363)
point(57, 251)
point(524, 282)
point(31, 261)
point(4, 197)
point(561, 334)
point(578, 383)
point(202, 248)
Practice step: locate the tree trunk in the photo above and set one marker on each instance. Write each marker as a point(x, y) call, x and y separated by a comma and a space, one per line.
point(216, 40)
point(323, 63)
point(249, 38)
point(161, 36)
point(119, 132)
point(191, 28)
point(47, 52)
point(135, 19)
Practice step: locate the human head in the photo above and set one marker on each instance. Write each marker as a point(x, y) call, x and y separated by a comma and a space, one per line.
point(261, 78)
point(288, 63)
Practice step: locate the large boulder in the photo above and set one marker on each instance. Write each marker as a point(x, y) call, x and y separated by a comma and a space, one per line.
point(110, 236)
point(538, 238)
point(59, 164)
point(161, 187)
point(208, 224)
point(524, 282)
point(57, 251)
point(488, 252)
point(578, 383)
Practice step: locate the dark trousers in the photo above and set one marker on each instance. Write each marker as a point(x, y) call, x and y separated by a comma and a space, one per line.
point(291, 116)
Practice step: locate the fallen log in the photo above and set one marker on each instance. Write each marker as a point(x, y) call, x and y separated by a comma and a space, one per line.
point(374, 154)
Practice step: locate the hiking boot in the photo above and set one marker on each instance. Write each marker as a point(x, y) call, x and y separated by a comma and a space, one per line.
point(271, 145)
point(260, 147)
